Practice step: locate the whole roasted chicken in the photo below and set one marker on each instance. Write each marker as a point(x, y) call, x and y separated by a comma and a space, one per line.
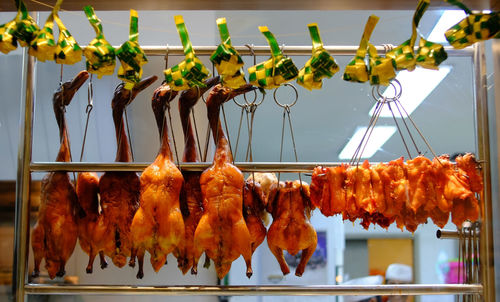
point(119, 191)
point(222, 232)
point(259, 189)
point(191, 200)
point(158, 226)
point(291, 229)
point(55, 233)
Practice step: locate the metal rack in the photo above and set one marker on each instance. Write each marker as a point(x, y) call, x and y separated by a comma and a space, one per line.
point(484, 289)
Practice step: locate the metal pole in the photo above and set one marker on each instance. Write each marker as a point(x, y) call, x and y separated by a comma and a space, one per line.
point(487, 268)
point(270, 290)
point(291, 50)
point(290, 167)
point(21, 225)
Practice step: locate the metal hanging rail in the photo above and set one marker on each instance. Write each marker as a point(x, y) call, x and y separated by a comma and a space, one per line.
point(290, 50)
point(290, 167)
point(209, 290)
point(21, 288)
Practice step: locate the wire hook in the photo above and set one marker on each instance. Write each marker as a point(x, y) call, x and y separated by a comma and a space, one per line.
point(286, 106)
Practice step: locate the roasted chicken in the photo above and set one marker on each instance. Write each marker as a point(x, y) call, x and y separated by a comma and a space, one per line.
point(55, 233)
point(222, 232)
point(90, 222)
point(291, 229)
point(158, 226)
point(191, 200)
point(119, 191)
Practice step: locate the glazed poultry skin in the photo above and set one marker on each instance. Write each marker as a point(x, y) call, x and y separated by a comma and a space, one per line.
point(291, 229)
point(191, 200)
point(158, 226)
point(222, 232)
point(55, 233)
point(90, 222)
point(119, 191)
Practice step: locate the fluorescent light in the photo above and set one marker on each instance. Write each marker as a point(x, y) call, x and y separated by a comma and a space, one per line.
point(447, 20)
point(379, 136)
point(416, 85)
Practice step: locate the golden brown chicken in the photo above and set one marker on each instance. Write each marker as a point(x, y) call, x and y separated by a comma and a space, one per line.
point(55, 233)
point(158, 226)
point(421, 184)
point(90, 222)
point(222, 233)
point(119, 191)
point(328, 189)
point(291, 229)
point(191, 200)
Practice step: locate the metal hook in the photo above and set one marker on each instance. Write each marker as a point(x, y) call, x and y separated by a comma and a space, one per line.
point(286, 106)
point(398, 90)
point(252, 52)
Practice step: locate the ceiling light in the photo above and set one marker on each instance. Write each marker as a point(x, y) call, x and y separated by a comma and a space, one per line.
point(416, 85)
point(447, 20)
point(378, 138)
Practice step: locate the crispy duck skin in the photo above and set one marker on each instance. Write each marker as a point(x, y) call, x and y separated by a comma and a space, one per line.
point(158, 226)
point(291, 229)
point(119, 191)
point(191, 200)
point(90, 222)
point(55, 233)
point(222, 232)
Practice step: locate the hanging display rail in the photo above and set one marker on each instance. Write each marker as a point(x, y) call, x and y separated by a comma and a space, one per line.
point(21, 287)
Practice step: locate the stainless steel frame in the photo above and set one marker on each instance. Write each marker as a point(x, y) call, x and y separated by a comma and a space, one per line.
point(25, 167)
point(487, 269)
point(209, 290)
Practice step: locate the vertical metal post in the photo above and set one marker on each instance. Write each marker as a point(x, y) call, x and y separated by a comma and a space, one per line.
point(22, 227)
point(487, 268)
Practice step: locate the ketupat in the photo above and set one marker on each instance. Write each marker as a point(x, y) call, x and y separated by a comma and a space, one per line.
point(356, 70)
point(131, 55)
point(277, 70)
point(99, 53)
point(227, 60)
point(319, 66)
point(191, 71)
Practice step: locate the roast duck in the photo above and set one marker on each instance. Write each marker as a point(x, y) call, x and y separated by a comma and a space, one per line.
point(191, 200)
point(158, 225)
point(119, 191)
point(55, 233)
point(222, 232)
point(407, 193)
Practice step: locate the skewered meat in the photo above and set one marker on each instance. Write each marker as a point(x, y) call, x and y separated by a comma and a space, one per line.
point(421, 188)
point(328, 191)
point(407, 193)
point(90, 222)
point(119, 191)
point(222, 233)
point(55, 233)
point(158, 226)
point(291, 229)
point(191, 200)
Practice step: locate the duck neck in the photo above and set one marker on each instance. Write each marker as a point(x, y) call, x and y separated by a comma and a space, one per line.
point(165, 143)
point(123, 153)
point(190, 154)
point(64, 151)
point(223, 152)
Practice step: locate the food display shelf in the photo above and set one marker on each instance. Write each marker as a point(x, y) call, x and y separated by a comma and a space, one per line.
point(21, 288)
